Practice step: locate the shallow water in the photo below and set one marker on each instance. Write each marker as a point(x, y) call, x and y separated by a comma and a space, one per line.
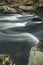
point(18, 33)
point(21, 23)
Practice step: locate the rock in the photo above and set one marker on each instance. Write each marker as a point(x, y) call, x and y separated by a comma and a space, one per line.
point(19, 5)
point(9, 9)
point(27, 8)
point(28, 2)
point(38, 11)
point(5, 59)
point(36, 57)
point(36, 18)
point(2, 3)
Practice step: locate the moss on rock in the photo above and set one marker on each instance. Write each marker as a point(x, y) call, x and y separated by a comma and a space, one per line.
point(5, 59)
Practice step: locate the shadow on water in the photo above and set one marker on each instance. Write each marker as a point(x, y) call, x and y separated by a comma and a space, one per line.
point(39, 12)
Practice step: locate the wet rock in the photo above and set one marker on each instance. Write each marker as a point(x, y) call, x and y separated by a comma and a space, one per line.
point(39, 12)
point(36, 18)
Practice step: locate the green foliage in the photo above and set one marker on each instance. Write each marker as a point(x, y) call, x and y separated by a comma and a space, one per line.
point(5, 59)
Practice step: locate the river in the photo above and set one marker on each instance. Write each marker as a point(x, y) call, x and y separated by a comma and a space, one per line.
point(18, 33)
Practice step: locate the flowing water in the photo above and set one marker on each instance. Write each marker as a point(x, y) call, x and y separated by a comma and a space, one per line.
point(18, 33)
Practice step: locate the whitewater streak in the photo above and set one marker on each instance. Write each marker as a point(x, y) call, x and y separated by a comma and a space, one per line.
point(19, 37)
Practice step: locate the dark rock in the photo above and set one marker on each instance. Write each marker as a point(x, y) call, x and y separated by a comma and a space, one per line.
point(36, 18)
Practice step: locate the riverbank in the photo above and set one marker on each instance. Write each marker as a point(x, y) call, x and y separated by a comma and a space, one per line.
point(14, 6)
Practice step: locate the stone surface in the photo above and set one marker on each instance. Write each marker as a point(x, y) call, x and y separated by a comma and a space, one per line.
point(18, 5)
point(26, 7)
point(36, 57)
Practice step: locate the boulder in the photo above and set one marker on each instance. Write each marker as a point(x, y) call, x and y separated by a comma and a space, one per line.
point(36, 56)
